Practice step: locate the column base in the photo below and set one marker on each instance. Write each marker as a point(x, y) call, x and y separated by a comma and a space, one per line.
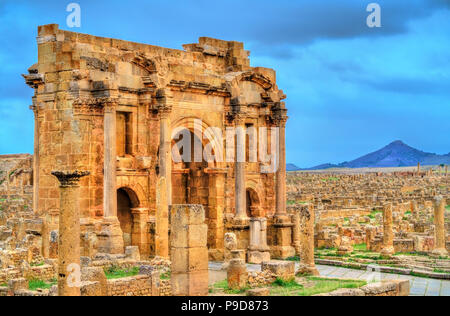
point(439, 253)
point(111, 237)
point(258, 257)
point(241, 222)
point(387, 252)
point(305, 270)
point(282, 252)
point(282, 248)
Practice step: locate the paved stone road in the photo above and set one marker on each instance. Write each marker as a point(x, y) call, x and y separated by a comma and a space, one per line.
point(419, 286)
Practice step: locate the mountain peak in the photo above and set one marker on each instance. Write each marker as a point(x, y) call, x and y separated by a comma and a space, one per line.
point(397, 143)
point(396, 154)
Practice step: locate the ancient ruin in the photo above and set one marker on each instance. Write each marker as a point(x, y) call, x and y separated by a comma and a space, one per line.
point(114, 203)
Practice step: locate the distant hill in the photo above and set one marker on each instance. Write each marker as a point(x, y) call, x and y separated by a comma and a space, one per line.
point(291, 167)
point(396, 154)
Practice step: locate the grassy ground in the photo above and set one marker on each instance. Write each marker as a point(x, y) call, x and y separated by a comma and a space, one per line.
point(447, 208)
point(40, 284)
point(300, 287)
point(165, 276)
point(116, 273)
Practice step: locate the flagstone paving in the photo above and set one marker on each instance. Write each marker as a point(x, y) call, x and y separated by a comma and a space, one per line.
point(419, 286)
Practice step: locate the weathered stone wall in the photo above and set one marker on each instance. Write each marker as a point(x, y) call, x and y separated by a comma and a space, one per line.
point(139, 285)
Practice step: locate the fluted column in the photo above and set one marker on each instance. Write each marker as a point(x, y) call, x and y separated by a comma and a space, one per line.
point(280, 119)
point(36, 160)
point(164, 186)
point(240, 194)
point(69, 233)
point(110, 161)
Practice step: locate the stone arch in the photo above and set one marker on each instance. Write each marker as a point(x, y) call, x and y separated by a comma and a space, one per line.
point(135, 190)
point(253, 200)
point(203, 131)
point(235, 80)
point(154, 70)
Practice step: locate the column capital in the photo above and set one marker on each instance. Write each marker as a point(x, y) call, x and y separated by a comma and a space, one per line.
point(164, 110)
point(69, 178)
point(237, 117)
point(280, 117)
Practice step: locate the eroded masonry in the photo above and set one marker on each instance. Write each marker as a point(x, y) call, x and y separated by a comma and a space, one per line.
point(109, 107)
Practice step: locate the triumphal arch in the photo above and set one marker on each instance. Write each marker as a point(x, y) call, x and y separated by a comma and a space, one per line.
point(112, 107)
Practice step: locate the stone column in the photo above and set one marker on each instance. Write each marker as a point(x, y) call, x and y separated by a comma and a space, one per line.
point(281, 119)
point(162, 220)
point(216, 205)
point(139, 235)
point(282, 247)
point(439, 230)
point(307, 218)
point(36, 155)
point(388, 233)
point(240, 194)
point(370, 236)
point(111, 238)
point(258, 251)
point(188, 252)
point(165, 160)
point(69, 233)
point(110, 161)
point(237, 275)
point(45, 236)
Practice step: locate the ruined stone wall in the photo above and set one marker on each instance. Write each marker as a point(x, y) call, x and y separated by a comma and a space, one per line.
point(139, 285)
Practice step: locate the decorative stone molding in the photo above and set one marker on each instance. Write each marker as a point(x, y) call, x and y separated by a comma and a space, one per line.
point(68, 179)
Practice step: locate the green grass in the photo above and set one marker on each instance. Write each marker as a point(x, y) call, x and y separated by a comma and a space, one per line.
point(374, 213)
point(40, 264)
point(223, 285)
point(3, 285)
point(296, 258)
point(116, 273)
point(321, 285)
point(440, 271)
point(35, 284)
point(290, 202)
point(447, 208)
point(293, 288)
point(330, 179)
point(360, 247)
point(165, 276)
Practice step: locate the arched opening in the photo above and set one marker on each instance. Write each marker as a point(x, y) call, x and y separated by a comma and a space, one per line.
point(126, 201)
point(190, 183)
point(253, 205)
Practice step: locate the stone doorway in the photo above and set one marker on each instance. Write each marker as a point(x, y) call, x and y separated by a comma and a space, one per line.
point(126, 201)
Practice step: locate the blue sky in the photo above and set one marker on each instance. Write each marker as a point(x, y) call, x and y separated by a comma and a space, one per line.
point(351, 89)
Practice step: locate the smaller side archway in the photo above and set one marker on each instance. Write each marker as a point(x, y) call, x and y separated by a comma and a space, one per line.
point(253, 203)
point(126, 201)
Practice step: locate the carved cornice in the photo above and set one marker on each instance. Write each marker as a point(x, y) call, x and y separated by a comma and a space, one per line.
point(69, 179)
point(95, 105)
point(259, 79)
point(34, 79)
point(199, 88)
